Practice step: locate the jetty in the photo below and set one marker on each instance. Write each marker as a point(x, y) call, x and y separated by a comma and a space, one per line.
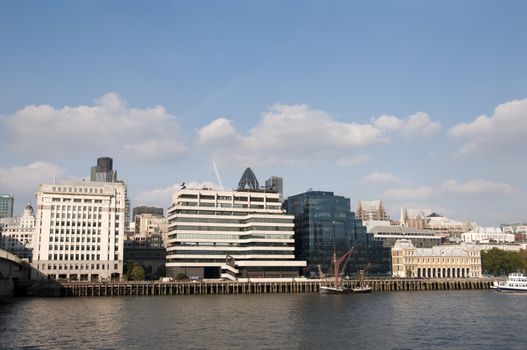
point(145, 288)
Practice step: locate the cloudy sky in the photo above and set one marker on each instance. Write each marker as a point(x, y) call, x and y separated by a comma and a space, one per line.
point(417, 103)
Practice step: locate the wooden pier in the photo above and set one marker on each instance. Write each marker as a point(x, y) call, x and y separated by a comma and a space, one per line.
point(70, 289)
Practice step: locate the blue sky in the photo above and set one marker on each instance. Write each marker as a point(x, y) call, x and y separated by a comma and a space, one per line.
point(370, 100)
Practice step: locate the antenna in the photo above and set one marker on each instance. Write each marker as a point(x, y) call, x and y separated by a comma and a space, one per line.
point(217, 174)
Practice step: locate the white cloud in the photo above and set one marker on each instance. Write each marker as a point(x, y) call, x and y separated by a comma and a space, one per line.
point(418, 125)
point(109, 127)
point(162, 197)
point(353, 160)
point(291, 134)
point(477, 187)
point(473, 187)
point(24, 180)
point(410, 194)
point(381, 177)
point(505, 129)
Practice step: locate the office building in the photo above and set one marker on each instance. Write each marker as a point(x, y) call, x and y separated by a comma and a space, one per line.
point(276, 184)
point(320, 216)
point(446, 261)
point(421, 238)
point(6, 205)
point(248, 181)
point(103, 171)
point(232, 235)
point(488, 235)
point(80, 230)
point(17, 234)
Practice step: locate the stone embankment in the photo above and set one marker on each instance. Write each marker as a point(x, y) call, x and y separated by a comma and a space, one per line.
point(308, 286)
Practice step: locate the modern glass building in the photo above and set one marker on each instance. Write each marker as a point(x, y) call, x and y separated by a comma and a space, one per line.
point(317, 215)
point(6, 205)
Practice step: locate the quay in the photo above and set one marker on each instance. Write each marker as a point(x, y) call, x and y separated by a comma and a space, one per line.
point(144, 288)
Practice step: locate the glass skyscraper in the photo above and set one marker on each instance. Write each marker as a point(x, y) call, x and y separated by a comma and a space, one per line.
point(317, 214)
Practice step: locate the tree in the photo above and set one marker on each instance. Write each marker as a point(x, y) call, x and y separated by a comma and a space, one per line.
point(135, 272)
point(496, 261)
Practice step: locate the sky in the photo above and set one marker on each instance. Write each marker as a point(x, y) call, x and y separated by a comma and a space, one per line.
point(422, 104)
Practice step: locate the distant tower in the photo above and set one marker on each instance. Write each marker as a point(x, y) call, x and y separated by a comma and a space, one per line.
point(276, 184)
point(248, 181)
point(103, 171)
point(6, 205)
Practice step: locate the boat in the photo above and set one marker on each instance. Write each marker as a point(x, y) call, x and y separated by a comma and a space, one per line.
point(363, 287)
point(515, 283)
point(336, 287)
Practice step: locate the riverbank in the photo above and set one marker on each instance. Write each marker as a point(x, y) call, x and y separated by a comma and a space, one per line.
point(78, 289)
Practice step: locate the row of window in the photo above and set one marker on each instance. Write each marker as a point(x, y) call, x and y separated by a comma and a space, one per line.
point(79, 239)
point(232, 221)
point(75, 231)
point(78, 266)
point(73, 257)
point(230, 237)
point(232, 229)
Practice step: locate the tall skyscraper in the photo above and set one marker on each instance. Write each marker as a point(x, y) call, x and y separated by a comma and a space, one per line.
point(6, 205)
point(80, 230)
point(320, 216)
point(276, 183)
point(103, 171)
point(248, 181)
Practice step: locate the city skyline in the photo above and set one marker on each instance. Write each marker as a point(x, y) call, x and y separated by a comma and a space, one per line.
point(420, 105)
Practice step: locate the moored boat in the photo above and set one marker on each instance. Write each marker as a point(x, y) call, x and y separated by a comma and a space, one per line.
point(515, 283)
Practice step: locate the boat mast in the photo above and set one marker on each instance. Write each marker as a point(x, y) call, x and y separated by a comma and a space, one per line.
point(335, 265)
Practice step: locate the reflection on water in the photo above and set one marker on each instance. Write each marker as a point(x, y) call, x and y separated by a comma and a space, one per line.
point(402, 320)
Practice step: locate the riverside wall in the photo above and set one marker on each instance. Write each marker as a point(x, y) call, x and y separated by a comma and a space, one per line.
point(76, 289)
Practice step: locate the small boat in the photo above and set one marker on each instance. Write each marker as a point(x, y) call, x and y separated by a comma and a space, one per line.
point(515, 283)
point(336, 287)
point(363, 287)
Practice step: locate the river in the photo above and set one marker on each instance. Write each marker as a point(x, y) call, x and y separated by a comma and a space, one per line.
point(479, 319)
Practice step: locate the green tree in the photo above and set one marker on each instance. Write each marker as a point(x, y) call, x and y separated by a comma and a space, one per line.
point(135, 272)
point(496, 261)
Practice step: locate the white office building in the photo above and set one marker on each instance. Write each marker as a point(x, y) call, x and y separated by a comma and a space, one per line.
point(80, 230)
point(487, 235)
point(17, 233)
point(231, 235)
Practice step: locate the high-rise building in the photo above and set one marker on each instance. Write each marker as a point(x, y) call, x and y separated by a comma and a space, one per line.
point(80, 230)
point(275, 183)
point(231, 235)
point(103, 171)
point(248, 181)
point(6, 205)
point(17, 235)
point(322, 220)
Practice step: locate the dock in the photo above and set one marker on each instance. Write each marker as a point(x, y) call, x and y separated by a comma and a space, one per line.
point(145, 288)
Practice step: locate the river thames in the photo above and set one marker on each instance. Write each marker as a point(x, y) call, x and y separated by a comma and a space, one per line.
point(480, 319)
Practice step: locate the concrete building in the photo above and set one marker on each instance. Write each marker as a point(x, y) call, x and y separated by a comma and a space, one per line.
point(80, 230)
point(372, 210)
point(420, 238)
point(17, 234)
point(147, 210)
point(487, 235)
point(103, 171)
point(519, 231)
point(275, 183)
point(230, 234)
point(320, 216)
point(445, 261)
point(427, 219)
point(151, 228)
point(6, 205)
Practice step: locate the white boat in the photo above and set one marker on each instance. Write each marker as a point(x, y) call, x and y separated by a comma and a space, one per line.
point(515, 283)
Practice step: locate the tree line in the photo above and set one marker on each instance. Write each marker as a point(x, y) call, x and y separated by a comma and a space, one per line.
point(497, 262)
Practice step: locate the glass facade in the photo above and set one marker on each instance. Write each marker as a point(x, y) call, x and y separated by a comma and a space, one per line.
point(317, 214)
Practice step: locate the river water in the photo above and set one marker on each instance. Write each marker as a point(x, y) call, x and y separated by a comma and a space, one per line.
point(384, 320)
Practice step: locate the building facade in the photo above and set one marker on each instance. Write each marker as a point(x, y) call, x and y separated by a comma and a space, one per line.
point(446, 261)
point(427, 219)
point(80, 230)
point(420, 238)
point(17, 235)
point(151, 228)
point(6, 205)
point(320, 216)
point(372, 210)
point(488, 235)
point(230, 235)
point(275, 183)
